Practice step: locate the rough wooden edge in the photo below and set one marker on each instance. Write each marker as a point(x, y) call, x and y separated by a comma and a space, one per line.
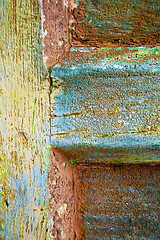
point(65, 215)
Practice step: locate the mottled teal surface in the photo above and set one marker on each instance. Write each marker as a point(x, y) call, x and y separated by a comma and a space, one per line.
point(109, 104)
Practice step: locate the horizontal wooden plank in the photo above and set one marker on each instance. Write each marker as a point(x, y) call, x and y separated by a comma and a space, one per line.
point(102, 201)
point(109, 103)
point(97, 23)
point(127, 22)
point(119, 201)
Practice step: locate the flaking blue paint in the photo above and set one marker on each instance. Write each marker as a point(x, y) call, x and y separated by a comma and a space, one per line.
point(25, 191)
point(116, 101)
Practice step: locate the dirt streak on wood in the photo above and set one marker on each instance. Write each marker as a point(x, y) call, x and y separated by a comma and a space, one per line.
point(72, 113)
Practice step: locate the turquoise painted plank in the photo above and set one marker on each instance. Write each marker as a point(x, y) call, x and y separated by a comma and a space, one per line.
point(107, 104)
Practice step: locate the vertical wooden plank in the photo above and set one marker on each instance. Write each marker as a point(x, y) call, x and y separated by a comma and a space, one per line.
point(64, 216)
point(24, 110)
point(57, 24)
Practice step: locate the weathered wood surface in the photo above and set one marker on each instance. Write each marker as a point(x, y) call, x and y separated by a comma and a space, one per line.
point(107, 104)
point(57, 27)
point(120, 201)
point(124, 22)
point(97, 23)
point(88, 111)
point(24, 123)
point(105, 107)
point(103, 201)
point(64, 216)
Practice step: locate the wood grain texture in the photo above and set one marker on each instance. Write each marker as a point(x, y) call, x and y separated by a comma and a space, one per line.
point(58, 25)
point(97, 23)
point(24, 114)
point(120, 201)
point(108, 99)
point(117, 22)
